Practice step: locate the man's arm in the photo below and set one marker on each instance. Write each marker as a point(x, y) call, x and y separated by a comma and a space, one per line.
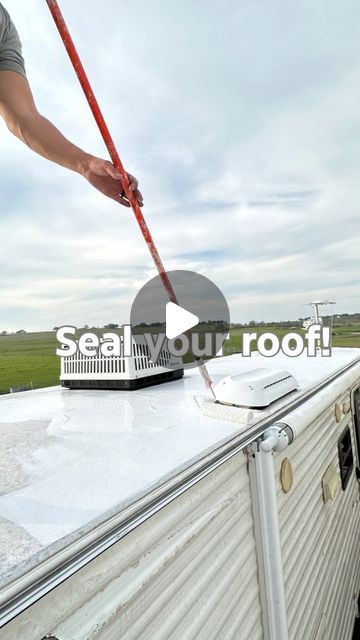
point(22, 118)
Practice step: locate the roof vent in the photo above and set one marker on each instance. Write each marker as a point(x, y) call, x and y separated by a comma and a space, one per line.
point(120, 372)
point(256, 388)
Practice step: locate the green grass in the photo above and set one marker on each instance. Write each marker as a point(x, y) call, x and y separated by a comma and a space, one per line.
point(30, 358)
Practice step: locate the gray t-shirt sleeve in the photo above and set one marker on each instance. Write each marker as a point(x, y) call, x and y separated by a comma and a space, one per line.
point(10, 46)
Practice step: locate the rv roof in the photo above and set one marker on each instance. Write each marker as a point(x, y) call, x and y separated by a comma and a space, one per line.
point(70, 457)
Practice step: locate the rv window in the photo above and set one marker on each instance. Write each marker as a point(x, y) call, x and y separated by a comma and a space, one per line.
point(357, 421)
point(345, 457)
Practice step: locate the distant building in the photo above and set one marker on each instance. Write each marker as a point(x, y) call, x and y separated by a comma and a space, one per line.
point(310, 321)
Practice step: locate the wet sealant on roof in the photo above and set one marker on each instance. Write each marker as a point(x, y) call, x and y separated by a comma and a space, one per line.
point(70, 457)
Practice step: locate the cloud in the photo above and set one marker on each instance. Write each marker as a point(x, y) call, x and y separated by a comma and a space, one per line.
point(241, 122)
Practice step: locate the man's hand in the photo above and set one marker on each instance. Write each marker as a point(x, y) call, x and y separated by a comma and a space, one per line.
point(19, 111)
point(103, 176)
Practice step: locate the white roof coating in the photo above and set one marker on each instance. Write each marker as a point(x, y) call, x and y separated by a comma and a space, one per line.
point(68, 457)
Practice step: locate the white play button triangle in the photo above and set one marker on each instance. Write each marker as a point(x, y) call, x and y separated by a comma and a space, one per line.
point(178, 320)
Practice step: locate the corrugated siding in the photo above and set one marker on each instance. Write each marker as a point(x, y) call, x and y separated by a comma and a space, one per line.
point(320, 542)
point(189, 572)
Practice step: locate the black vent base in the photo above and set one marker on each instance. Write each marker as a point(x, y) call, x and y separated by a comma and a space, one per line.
point(127, 385)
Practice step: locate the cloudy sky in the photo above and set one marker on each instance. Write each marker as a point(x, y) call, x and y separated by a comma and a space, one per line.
point(241, 121)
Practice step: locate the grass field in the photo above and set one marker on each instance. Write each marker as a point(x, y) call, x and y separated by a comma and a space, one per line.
point(29, 359)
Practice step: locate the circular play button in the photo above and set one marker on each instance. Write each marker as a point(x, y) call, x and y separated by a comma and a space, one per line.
point(193, 327)
point(178, 320)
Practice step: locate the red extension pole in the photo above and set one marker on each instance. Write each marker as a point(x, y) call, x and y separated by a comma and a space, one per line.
point(94, 106)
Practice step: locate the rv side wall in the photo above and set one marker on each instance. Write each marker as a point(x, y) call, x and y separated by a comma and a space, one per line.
point(189, 572)
point(320, 541)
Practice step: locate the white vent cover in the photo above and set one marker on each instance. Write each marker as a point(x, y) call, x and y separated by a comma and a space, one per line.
point(256, 388)
point(120, 372)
